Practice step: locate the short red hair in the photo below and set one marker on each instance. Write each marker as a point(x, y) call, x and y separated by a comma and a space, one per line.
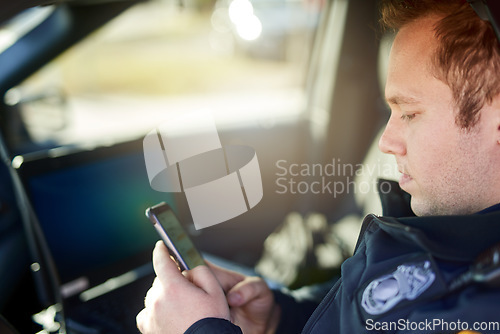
point(468, 56)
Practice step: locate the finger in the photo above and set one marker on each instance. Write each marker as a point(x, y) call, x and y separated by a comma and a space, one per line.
point(154, 290)
point(227, 278)
point(203, 277)
point(251, 288)
point(165, 268)
point(141, 321)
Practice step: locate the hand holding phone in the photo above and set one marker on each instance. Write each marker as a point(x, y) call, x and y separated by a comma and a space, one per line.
point(174, 236)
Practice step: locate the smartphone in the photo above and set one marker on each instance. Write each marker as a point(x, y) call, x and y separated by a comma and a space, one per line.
point(174, 236)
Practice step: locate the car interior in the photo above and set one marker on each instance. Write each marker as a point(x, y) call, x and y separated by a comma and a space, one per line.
point(83, 81)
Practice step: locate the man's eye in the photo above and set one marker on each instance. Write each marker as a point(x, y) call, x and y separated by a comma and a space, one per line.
point(407, 117)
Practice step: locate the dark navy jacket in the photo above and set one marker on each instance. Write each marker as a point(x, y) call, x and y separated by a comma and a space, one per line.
point(398, 280)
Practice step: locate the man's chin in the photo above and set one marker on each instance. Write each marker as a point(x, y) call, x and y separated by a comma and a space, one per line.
point(434, 208)
point(420, 208)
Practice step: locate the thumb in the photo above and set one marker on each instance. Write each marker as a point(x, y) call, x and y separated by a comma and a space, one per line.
point(250, 289)
point(202, 277)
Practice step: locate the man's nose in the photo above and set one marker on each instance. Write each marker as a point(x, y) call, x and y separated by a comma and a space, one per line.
point(392, 141)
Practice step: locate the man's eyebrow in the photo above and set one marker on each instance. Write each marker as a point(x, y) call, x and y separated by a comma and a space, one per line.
point(400, 99)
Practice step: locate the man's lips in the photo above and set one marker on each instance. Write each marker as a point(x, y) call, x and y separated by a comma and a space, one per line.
point(404, 179)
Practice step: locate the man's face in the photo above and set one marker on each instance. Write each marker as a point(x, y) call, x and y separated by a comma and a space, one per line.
point(446, 169)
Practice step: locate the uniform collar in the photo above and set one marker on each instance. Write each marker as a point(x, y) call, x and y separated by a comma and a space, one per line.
point(456, 238)
point(492, 208)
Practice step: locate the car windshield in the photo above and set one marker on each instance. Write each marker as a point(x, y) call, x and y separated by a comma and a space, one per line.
point(244, 61)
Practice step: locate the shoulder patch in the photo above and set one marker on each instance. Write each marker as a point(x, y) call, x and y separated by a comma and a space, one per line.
point(407, 282)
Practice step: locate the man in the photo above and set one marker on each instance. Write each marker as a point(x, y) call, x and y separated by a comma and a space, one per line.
point(407, 274)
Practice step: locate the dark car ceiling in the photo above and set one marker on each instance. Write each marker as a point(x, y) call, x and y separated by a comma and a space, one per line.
point(70, 22)
point(10, 8)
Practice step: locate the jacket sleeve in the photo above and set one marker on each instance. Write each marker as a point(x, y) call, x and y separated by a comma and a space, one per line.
point(296, 308)
point(298, 305)
point(213, 326)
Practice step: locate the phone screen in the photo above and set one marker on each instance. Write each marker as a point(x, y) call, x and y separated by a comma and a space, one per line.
point(175, 237)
